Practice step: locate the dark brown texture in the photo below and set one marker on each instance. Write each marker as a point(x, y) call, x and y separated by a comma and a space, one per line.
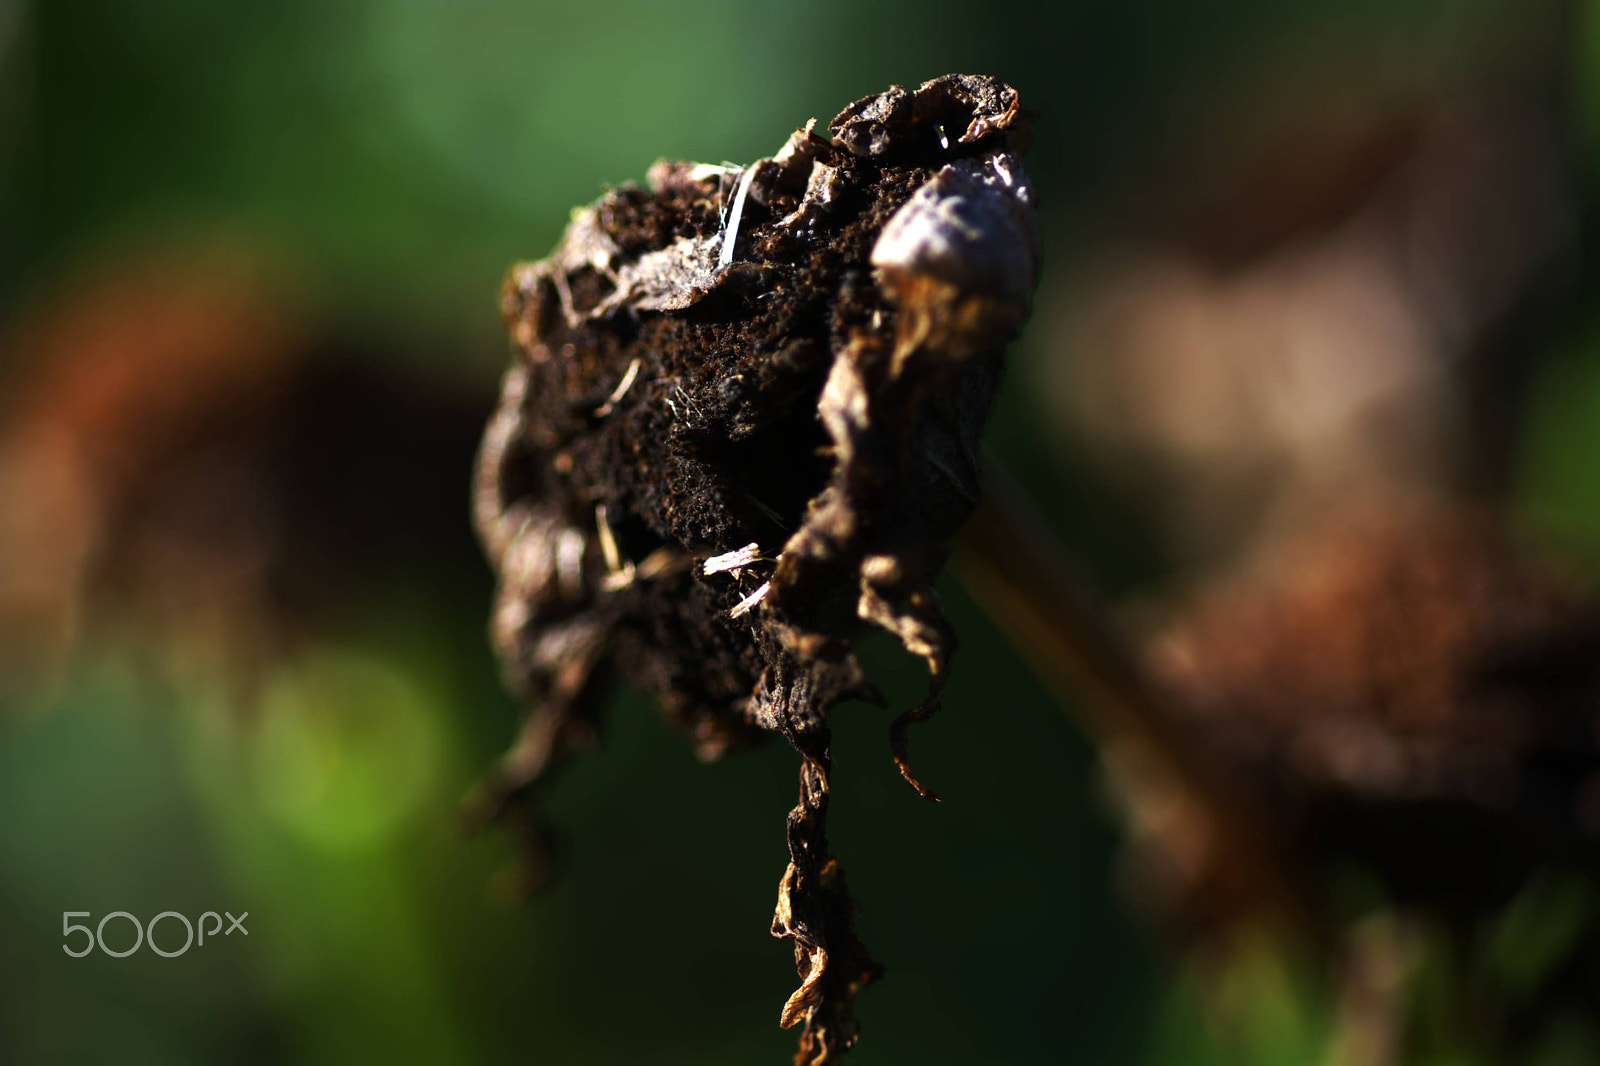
point(1411, 694)
point(1409, 690)
point(1379, 742)
point(738, 434)
point(212, 475)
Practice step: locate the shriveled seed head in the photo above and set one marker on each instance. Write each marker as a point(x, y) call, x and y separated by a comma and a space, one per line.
point(739, 432)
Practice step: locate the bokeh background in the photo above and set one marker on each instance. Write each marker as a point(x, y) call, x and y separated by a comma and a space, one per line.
point(249, 257)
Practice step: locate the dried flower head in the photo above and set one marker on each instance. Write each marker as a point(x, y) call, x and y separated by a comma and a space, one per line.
point(739, 432)
point(1412, 691)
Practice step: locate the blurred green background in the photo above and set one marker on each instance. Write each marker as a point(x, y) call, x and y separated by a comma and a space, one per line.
point(381, 164)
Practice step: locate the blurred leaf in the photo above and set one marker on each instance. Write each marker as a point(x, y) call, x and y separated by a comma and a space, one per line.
point(1537, 932)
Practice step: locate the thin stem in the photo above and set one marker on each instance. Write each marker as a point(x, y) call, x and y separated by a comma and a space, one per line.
point(1016, 570)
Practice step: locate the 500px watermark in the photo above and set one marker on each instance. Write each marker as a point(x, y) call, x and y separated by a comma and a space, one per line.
point(145, 934)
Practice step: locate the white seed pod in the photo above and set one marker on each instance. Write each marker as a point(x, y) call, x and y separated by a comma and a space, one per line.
point(971, 226)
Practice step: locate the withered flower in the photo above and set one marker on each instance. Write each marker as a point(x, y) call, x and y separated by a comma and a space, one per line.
point(1412, 690)
point(738, 433)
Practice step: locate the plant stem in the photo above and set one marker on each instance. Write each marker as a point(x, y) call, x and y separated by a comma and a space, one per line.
point(1016, 570)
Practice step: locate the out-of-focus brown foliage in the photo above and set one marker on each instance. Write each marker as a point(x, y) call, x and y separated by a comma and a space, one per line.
point(196, 469)
point(1404, 699)
point(1309, 370)
point(116, 380)
point(1407, 689)
point(1346, 312)
point(1407, 695)
point(739, 433)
